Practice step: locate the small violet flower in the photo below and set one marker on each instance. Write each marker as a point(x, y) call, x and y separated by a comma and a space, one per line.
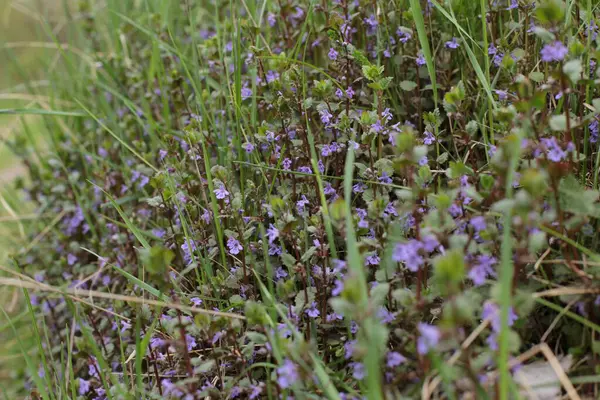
point(234, 246)
point(429, 336)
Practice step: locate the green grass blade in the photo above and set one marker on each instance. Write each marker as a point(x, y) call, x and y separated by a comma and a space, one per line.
point(417, 13)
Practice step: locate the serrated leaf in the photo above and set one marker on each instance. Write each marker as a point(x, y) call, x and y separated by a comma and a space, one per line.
point(442, 158)
point(576, 199)
point(154, 201)
point(300, 300)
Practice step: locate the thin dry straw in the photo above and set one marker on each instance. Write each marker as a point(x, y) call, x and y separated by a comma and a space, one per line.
point(76, 295)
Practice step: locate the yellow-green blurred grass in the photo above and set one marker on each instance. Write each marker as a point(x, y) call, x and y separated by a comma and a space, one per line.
point(20, 25)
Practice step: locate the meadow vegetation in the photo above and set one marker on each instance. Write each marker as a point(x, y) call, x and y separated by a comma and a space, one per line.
point(307, 199)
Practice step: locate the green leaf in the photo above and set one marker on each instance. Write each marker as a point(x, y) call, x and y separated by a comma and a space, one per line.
point(573, 69)
point(544, 34)
point(309, 253)
point(156, 259)
point(576, 199)
point(449, 269)
point(288, 260)
point(408, 86)
point(536, 76)
point(558, 123)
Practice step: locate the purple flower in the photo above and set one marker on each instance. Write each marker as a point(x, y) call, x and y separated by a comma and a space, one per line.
point(403, 35)
point(333, 317)
point(372, 259)
point(217, 336)
point(221, 192)
point(272, 76)
point(235, 392)
point(190, 342)
point(196, 301)
point(452, 44)
point(234, 246)
point(420, 59)
point(423, 161)
point(430, 243)
point(385, 315)
point(358, 370)
point(188, 247)
point(350, 92)
point(377, 127)
point(272, 233)
point(429, 336)
point(84, 387)
point(93, 367)
point(492, 49)
point(286, 164)
point(482, 269)
point(554, 151)
point(321, 166)
point(408, 253)
point(502, 94)
point(455, 210)
point(325, 116)
point(384, 178)
point(594, 130)
point(74, 222)
point(162, 154)
point(349, 348)
point(249, 147)
point(305, 169)
point(387, 114)
point(206, 216)
point(429, 138)
point(329, 190)
point(301, 204)
point(159, 232)
point(271, 19)
point(71, 259)
point(312, 311)
point(394, 359)
point(280, 272)
point(555, 51)
point(246, 93)
point(256, 391)
point(390, 209)
point(270, 135)
point(492, 312)
point(287, 374)
point(478, 223)
point(339, 93)
point(337, 288)
point(371, 24)
point(333, 55)
point(498, 57)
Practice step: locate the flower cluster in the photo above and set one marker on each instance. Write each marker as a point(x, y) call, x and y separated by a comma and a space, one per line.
point(309, 210)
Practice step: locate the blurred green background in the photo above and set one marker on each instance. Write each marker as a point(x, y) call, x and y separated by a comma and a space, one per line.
point(22, 34)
